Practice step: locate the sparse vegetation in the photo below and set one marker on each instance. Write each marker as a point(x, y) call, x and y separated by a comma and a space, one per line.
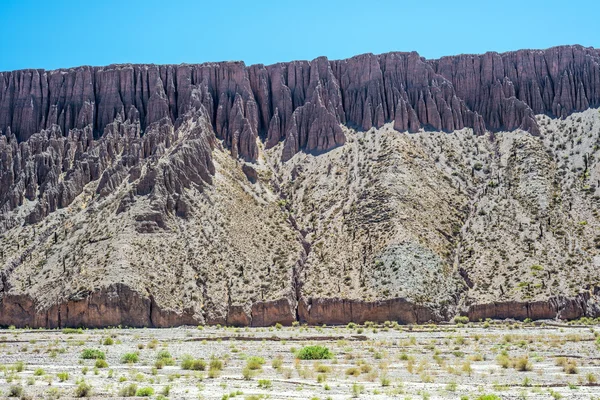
point(314, 353)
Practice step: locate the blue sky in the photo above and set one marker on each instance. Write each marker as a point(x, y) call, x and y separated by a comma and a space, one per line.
point(54, 34)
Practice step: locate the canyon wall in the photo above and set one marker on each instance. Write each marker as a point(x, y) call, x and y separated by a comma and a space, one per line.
point(161, 195)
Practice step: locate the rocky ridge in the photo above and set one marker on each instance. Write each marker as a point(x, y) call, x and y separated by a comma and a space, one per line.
point(218, 193)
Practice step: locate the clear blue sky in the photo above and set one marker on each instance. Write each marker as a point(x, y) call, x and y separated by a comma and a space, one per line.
point(52, 34)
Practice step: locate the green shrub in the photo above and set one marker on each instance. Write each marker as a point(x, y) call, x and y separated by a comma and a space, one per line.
point(277, 362)
point(314, 353)
point(216, 364)
point(193, 364)
point(255, 363)
point(101, 364)
point(144, 392)
point(69, 331)
point(166, 390)
point(63, 376)
point(460, 319)
point(523, 364)
point(128, 391)
point(265, 384)
point(108, 341)
point(247, 373)
point(83, 390)
point(164, 357)
point(93, 354)
point(130, 358)
point(39, 372)
point(15, 391)
point(357, 389)
point(488, 397)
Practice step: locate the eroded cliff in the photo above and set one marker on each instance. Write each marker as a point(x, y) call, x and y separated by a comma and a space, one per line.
point(373, 188)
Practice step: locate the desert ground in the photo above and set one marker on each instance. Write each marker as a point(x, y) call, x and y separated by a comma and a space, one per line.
point(485, 360)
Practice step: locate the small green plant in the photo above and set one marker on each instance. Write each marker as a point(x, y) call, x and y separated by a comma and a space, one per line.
point(128, 391)
point(83, 389)
point(19, 366)
point(247, 373)
point(277, 363)
point(15, 391)
point(166, 391)
point(108, 341)
point(190, 363)
point(70, 331)
point(255, 363)
point(265, 383)
point(93, 354)
point(164, 358)
point(216, 364)
point(314, 353)
point(144, 392)
point(385, 381)
point(357, 389)
point(523, 364)
point(130, 358)
point(100, 363)
point(63, 376)
point(39, 372)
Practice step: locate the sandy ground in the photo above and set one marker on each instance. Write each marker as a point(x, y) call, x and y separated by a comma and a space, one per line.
point(418, 362)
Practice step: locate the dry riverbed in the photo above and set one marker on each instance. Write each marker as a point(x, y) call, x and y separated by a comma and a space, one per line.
point(473, 361)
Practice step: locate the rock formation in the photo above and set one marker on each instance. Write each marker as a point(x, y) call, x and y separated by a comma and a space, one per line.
point(153, 195)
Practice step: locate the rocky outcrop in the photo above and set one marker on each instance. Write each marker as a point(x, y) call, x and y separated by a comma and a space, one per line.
point(76, 121)
point(112, 306)
point(583, 305)
point(119, 305)
point(159, 175)
point(306, 101)
point(508, 89)
point(316, 311)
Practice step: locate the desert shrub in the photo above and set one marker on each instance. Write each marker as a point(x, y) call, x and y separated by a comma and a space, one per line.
point(101, 364)
point(69, 331)
point(83, 390)
point(277, 362)
point(461, 319)
point(164, 358)
point(130, 358)
point(144, 392)
point(190, 363)
point(523, 364)
point(217, 364)
point(569, 366)
point(108, 341)
point(265, 384)
point(357, 389)
point(128, 391)
point(255, 363)
point(248, 373)
point(93, 354)
point(314, 353)
point(15, 391)
point(63, 376)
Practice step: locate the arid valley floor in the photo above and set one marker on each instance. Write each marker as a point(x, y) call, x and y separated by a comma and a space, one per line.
point(489, 360)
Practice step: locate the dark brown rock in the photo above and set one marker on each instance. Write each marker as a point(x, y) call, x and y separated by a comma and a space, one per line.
point(561, 307)
point(342, 311)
